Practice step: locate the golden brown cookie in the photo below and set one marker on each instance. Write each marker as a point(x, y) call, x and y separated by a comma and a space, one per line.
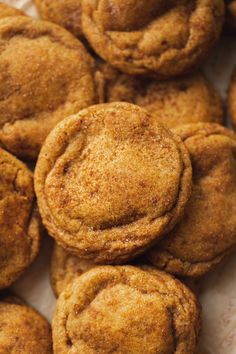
point(207, 232)
point(111, 181)
point(6, 11)
point(65, 267)
point(23, 330)
point(189, 99)
point(66, 13)
point(167, 38)
point(19, 220)
point(232, 98)
point(125, 310)
point(46, 75)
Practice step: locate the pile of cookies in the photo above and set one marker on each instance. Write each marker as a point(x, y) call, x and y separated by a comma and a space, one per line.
point(134, 174)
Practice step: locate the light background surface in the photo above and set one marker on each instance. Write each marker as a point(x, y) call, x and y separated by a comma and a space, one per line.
point(218, 296)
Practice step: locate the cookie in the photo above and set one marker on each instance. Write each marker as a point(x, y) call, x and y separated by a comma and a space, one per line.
point(232, 98)
point(46, 75)
point(6, 11)
point(189, 99)
point(164, 38)
point(65, 267)
point(111, 181)
point(207, 232)
point(23, 330)
point(103, 312)
point(19, 220)
point(66, 13)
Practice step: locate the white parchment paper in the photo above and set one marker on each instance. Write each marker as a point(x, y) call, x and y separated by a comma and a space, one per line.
point(218, 296)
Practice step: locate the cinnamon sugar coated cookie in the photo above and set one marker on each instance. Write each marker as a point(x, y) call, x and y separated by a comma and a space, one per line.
point(167, 38)
point(23, 330)
point(66, 13)
point(189, 99)
point(125, 310)
point(46, 75)
point(65, 267)
point(6, 11)
point(111, 181)
point(19, 220)
point(207, 232)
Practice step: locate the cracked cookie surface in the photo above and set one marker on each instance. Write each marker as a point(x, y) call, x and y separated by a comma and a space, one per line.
point(23, 330)
point(103, 312)
point(189, 99)
point(167, 38)
point(45, 75)
point(111, 181)
point(19, 220)
point(66, 13)
point(207, 232)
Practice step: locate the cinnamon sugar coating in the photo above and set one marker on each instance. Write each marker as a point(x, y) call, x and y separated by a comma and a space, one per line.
point(90, 175)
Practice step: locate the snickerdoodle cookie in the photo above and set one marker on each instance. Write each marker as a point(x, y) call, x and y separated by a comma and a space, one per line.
point(19, 219)
point(65, 267)
point(123, 310)
point(23, 330)
point(111, 181)
point(6, 11)
point(167, 38)
point(66, 13)
point(189, 99)
point(207, 232)
point(45, 75)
